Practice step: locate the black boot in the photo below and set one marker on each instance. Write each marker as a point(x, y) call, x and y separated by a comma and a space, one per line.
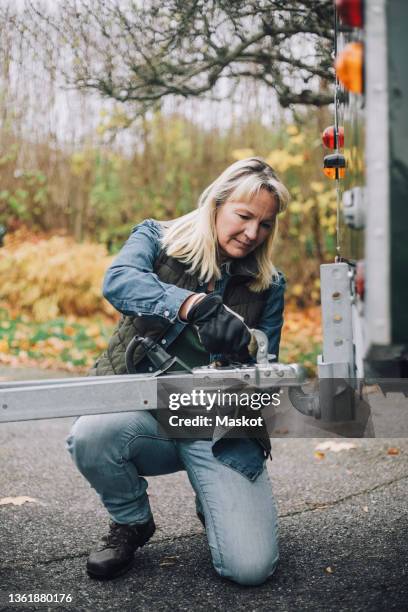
point(115, 554)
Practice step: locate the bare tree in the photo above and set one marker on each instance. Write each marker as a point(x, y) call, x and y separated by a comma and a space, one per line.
point(143, 51)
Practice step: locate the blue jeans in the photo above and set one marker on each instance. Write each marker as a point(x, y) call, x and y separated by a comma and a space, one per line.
point(115, 452)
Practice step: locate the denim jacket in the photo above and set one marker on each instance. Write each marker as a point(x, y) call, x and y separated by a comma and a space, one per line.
point(133, 288)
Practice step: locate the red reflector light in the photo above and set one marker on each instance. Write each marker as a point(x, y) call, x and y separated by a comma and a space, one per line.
point(329, 137)
point(360, 279)
point(350, 12)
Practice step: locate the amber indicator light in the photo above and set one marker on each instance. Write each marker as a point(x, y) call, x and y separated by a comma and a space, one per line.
point(349, 67)
point(334, 166)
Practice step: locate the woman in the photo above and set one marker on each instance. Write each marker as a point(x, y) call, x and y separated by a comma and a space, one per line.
point(183, 284)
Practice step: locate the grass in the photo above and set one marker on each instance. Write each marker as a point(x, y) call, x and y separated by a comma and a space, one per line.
point(73, 343)
point(65, 343)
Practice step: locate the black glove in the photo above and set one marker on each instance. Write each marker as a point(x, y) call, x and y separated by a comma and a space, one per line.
point(220, 330)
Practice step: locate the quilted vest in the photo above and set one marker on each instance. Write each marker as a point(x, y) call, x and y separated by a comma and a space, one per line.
point(248, 304)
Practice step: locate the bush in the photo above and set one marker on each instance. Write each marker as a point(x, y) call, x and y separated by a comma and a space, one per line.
point(47, 278)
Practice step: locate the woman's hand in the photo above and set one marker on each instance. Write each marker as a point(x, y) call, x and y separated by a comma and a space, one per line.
point(219, 328)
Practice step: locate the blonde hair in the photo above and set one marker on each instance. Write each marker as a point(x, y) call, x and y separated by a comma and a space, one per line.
point(192, 238)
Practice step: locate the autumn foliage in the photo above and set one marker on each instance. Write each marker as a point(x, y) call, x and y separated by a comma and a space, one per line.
point(97, 193)
point(53, 315)
point(46, 278)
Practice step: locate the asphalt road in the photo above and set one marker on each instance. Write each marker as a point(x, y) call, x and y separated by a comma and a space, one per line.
point(343, 530)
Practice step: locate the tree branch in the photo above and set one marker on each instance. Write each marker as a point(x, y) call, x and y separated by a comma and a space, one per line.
point(143, 52)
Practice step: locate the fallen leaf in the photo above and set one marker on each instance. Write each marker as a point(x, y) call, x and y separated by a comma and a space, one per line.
point(367, 389)
point(319, 455)
point(17, 501)
point(93, 331)
point(316, 506)
point(4, 346)
point(393, 450)
point(333, 445)
point(168, 561)
point(329, 570)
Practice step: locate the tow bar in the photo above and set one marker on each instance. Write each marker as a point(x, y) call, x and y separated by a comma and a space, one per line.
point(56, 398)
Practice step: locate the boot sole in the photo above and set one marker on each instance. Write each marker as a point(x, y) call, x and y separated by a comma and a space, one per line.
point(112, 576)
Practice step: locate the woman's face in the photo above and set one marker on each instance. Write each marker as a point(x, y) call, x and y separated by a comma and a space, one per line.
point(243, 226)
